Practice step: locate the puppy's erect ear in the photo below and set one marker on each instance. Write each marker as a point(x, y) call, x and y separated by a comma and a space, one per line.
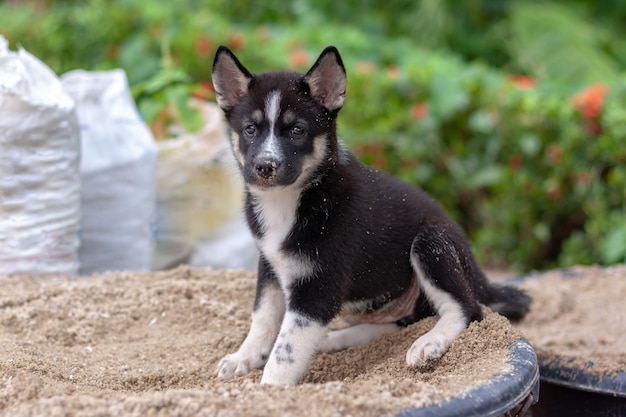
point(327, 79)
point(230, 79)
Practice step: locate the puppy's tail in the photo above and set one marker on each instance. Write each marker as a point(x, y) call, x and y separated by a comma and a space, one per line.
point(511, 302)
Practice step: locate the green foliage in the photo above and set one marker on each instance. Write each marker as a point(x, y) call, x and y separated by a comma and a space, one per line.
point(533, 168)
point(536, 179)
point(569, 57)
point(169, 87)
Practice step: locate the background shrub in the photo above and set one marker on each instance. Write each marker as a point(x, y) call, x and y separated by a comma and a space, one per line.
point(512, 114)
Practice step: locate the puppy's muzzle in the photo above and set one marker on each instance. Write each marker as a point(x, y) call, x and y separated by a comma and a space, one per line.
point(266, 167)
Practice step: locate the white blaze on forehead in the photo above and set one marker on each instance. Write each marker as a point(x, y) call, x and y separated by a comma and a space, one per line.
point(272, 107)
point(272, 111)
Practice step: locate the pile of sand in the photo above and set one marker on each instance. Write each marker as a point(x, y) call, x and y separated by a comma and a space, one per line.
point(147, 344)
point(578, 317)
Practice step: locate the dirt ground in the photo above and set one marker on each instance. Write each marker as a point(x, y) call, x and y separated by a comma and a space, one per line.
point(146, 344)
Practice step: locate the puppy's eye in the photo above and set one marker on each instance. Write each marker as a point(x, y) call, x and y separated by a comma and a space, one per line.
point(249, 130)
point(297, 131)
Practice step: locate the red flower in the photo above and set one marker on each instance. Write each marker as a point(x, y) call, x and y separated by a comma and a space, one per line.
point(554, 153)
point(298, 58)
point(583, 178)
point(236, 41)
point(419, 111)
point(203, 90)
point(375, 152)
point(523, 82)
point(589, 101)
point(204, 46)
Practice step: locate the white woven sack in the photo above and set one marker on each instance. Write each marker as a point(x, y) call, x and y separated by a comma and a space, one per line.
point(39, 159)
point(117, 170)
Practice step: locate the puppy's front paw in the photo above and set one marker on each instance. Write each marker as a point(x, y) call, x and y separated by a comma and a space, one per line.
point(425, 350)
point(237, 364)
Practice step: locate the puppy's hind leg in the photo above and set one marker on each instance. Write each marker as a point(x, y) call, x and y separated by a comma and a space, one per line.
point(355, 335)
point(439, 256)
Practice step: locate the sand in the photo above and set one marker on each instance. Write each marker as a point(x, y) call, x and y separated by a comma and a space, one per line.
point(146, 344)
point(578, 318)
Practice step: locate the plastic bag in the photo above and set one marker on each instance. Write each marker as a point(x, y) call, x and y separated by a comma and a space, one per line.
point(199, 200)
point(117, 171)
point(39, 162)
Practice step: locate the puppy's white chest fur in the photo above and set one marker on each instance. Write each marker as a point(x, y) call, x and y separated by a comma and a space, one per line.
point(276, 210)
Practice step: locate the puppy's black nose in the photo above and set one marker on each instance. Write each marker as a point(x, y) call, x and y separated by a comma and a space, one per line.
point(266, 167)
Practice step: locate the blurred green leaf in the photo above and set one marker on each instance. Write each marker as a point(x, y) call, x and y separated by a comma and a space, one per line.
point(179, 96)
point(613, 247)
point(553, 43)
point(486, 177)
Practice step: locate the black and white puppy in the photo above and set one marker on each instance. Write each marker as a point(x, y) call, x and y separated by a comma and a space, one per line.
point(336, 237)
